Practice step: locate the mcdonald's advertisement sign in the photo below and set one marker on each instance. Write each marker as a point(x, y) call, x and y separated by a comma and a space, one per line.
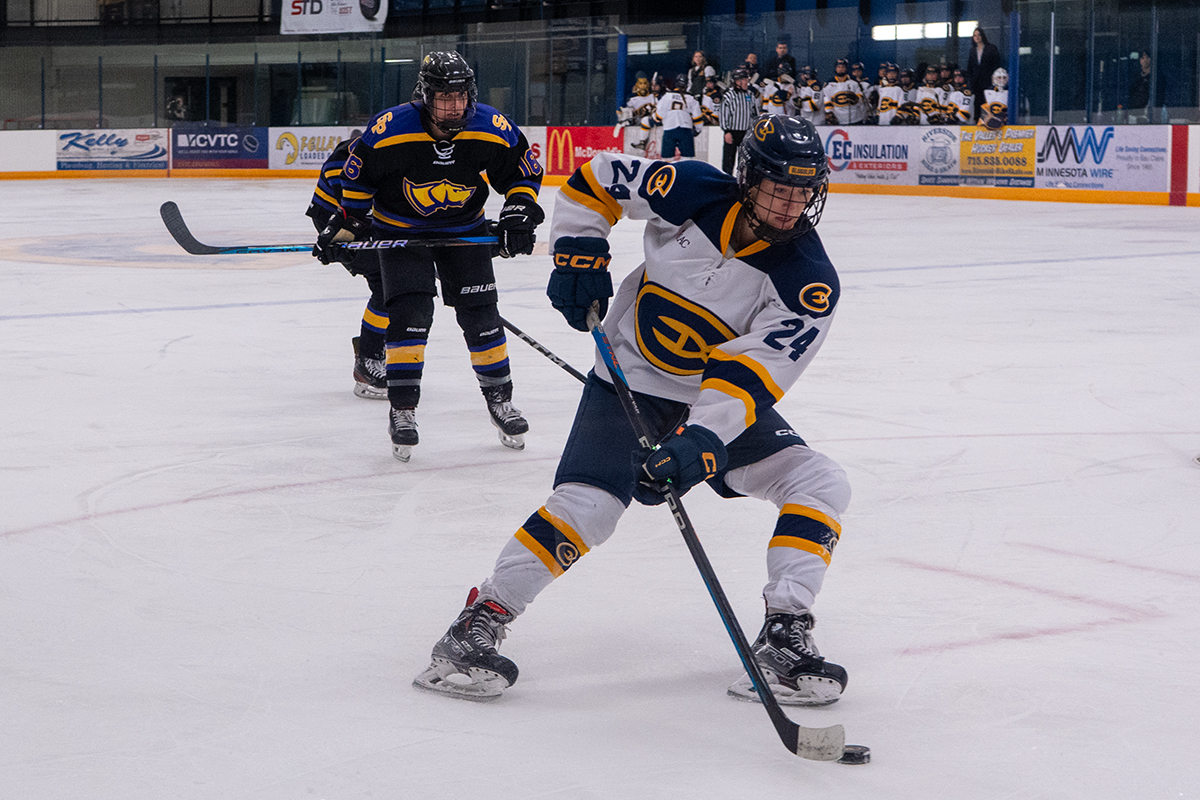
point(562, 150)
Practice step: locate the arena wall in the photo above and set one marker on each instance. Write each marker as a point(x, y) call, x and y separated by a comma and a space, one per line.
point(1141, 164)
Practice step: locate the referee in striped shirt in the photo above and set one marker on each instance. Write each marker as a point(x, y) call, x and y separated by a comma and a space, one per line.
point(740, 106)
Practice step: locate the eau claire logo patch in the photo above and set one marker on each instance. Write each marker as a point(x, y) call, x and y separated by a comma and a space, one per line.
point(660, 181)
point(816, 297)
point(427, 198)
point(675, 334)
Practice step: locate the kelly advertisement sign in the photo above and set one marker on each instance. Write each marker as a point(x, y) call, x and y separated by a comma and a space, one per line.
point(219, 148)
point(862, 154)
point(332, 16)
point(1127, 158)
point(144, 148)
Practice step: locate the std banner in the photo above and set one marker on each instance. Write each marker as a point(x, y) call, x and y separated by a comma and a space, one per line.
point(199, 147)
point(860, 154)
point(333, 16)
point(305, 148)
point(1126, 158)
point(563, 150)
point(1003, 157)
point(144, 148)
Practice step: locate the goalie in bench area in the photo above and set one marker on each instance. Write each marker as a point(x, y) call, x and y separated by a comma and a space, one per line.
point(731, 305)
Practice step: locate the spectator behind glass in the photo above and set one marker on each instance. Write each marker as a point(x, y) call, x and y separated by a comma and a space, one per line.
point(697, 72)
point(983, 61)
point(781, 62)
point(1139, 94)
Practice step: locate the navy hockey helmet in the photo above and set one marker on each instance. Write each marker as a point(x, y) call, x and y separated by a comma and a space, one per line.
point(447, 72)
point(787, 151)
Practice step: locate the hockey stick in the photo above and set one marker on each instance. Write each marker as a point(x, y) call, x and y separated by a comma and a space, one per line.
point(817, 744)
point(529, 340)
point(180, 233)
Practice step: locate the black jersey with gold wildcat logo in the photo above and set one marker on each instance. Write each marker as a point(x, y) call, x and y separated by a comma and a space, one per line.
point(412, 180)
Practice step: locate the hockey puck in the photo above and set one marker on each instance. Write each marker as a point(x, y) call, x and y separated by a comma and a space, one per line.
point(855, 754)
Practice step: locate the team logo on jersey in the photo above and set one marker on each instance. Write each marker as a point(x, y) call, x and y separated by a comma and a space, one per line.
point(815, 297)
point(443, 150)
point(661, 181)
point(675, 334)
point(427, 198)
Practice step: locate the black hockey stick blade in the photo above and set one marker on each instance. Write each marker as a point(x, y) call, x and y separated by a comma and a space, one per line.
point(816, 744)
point(180, 233)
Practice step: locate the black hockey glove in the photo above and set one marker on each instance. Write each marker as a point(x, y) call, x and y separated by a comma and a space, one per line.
point(580, 278)
point(688, 456)
point(341, 229)
point(520, 215)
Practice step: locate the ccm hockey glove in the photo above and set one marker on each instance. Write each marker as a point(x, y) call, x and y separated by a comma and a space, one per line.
point(341, 229)
point(688, 456)
point(580, 278)
point(514, 227)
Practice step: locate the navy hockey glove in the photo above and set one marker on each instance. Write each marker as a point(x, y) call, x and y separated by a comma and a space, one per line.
point(688, 456)
point(514, 227)
point(580, 278)
point(341, 229)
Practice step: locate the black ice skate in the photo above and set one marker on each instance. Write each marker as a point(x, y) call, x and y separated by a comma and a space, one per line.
point(402, 427)
point(507, 419)
point(370, 375)
point(796, 672)
point(465, 663)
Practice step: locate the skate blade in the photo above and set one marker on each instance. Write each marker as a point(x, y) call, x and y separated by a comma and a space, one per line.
point(479, 686)
point(812, 691)
point(402, 452)
point(369, 392)
point(515, 442)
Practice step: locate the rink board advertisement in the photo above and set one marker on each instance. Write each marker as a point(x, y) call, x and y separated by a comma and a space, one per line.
point(865, 154)
point(305, 148)
point(1003, 157)
point(202, 147)
point(562, 150)
point(1127, 158)
point(333, 16)
point(144, 148)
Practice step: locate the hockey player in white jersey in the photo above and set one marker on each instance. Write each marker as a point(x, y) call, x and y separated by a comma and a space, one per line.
point(778, 95)
point(930, 98)
point(994, 112)
point(680, 117)
point(960, 103)
point(890, 96)
point(810, 105)
point(843, 97)
point(731, 304)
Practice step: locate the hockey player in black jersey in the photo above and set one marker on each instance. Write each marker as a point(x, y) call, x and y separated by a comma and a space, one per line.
point(370, 378)
point(416, 171)
point(734, 299)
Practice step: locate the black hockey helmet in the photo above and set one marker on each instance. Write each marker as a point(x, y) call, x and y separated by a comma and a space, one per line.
point(443, 71)
point(787, 151)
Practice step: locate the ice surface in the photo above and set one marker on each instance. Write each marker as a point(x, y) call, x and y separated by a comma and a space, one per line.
point(215, 582)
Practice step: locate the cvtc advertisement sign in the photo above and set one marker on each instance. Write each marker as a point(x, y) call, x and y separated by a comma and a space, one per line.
point(219, 148)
